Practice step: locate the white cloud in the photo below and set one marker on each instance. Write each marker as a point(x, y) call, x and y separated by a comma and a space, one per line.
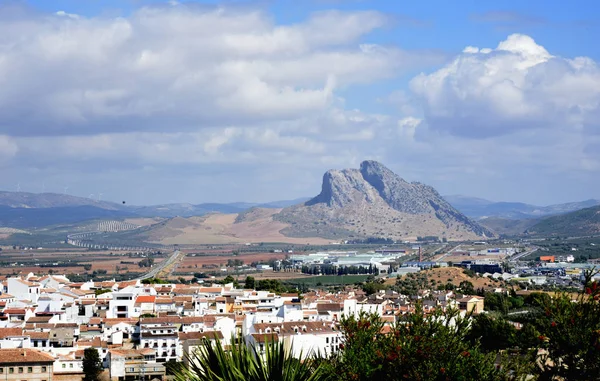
point(519, 85)
point(181, 68)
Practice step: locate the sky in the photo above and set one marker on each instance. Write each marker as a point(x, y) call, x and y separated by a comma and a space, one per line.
point(155, 102)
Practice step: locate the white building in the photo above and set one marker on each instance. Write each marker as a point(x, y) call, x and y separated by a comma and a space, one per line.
point(302, 338)
point(23, 289)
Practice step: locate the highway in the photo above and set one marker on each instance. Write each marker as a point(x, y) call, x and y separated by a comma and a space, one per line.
point(516, 257)
point(161, 266)
point(440, 259)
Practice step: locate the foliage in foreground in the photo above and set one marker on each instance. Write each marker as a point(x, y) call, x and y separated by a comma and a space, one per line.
point(422, 347)
point(571, 335)
point(244, 363)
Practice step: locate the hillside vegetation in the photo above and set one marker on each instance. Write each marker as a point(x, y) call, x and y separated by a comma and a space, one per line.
point(579, 223)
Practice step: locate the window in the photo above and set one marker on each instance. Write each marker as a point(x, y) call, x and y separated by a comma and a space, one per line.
point(29, 369)
point(11, 370)
point(44, 370)
point(131, 369)
point(64, 366)
point(20, 369)
point(1, 370)
point(70, 365)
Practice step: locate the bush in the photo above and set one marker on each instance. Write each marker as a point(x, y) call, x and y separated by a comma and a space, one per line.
point(422, 347)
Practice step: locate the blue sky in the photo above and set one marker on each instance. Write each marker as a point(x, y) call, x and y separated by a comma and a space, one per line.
point(201, 101)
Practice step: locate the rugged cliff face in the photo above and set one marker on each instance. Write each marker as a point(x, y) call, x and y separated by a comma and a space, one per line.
point(374, 201)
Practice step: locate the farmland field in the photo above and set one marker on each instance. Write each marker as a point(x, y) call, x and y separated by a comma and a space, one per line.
point(76, 261)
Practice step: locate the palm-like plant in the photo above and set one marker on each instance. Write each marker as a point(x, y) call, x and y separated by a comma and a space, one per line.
point(211, 362)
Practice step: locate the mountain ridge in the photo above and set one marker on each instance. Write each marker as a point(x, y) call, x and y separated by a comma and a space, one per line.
point(481, 208)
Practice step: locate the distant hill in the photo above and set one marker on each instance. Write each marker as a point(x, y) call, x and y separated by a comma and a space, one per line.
point(51, 200)
point(579, 223)
point(253, 225)
point(26, 218)
point(184, 210)
point(33, 210)
point(481, 208)
point(507, 226)
point(375, 202)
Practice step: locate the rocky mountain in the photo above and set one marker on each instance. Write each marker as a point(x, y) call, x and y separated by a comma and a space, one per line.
point(481, 208)
point(372, 201)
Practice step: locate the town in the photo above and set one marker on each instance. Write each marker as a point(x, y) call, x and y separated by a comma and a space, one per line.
point(141, 326)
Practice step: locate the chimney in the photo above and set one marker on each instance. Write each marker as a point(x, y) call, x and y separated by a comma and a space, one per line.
point(24, 352)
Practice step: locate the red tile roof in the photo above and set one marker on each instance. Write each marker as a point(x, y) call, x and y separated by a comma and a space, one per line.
point(145, 299)
point(24, 356)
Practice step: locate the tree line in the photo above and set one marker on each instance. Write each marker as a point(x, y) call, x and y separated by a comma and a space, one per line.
point(339, 270)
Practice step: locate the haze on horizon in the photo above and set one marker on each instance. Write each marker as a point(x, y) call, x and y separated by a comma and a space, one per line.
point(206, 101)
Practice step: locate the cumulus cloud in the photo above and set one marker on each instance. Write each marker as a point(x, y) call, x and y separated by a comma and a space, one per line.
point(518, 85)
point(181, 68)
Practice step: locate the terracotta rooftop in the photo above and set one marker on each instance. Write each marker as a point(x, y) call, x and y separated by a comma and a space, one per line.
point(39, 319)
point(36, 335)
point(292, 328)
point(24, 356)
point(264, 337)
point(145, 299)
point(135, 353)
point(10, 332)
point(212, 335)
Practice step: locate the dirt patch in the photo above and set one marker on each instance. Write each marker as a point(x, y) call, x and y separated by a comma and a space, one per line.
point(222, 229)
point(455, 276)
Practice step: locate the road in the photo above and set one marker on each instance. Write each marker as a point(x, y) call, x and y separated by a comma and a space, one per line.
point(161, 266)
point(440, 259)
point(516, 257)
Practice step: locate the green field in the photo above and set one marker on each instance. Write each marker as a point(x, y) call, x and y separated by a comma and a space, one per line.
point(328, 280)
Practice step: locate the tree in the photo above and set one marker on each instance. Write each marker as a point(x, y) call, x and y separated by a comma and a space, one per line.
point(87, 267)
point(146, 262)
point(493, 334)
point(249, 283)
point(92, 364)
point(570, 334)
point(466, 287)
point(228, 279)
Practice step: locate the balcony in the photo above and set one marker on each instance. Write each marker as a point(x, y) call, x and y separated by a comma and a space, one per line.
point(144, 369)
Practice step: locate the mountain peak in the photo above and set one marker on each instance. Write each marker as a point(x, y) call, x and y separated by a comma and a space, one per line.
point(380, 202)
